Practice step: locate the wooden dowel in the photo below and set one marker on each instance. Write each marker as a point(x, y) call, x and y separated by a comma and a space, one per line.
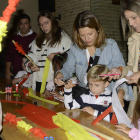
point(26, 55)
point(95, 132)
point(30, 60)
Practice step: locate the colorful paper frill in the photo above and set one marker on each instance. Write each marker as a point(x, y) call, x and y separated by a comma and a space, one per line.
point(6, 18)
point(19, 48)
point(73, 130)
point(3, 31)
point(12, 118)
point(20, 123)
point(38, 132)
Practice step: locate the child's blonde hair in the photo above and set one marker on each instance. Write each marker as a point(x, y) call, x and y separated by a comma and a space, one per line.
point(95, 71)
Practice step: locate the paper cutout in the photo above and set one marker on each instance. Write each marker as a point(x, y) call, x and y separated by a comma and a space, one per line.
point(19, 48)
point(24, 125)
point(15, 102)
point(45, 75)
point(11, 118)
point(39, 115)
point(39, 98)
point(73, 130)
point(36, 131)
point(105, 113)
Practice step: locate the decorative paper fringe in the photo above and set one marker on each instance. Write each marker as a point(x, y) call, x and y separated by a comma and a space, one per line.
point(36, 131)
point(6, 18)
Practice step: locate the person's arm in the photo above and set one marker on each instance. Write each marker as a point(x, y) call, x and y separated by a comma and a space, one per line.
point(117, 61)
point(19, 77)
point(69, 102)
point(16, 80)
point(8, 72)
point(69, 66)
point(134, 134)
point(133, 78)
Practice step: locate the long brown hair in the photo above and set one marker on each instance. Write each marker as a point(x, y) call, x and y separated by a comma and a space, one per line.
point(130, 5)
point(136, 113)
point(58, 61)
point(87, 19)
point(54, 36)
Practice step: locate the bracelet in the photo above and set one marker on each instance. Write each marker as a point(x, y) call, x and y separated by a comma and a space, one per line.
point(120, 69)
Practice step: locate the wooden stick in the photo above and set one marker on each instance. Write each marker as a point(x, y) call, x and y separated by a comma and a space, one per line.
point(30, 60)
point(95, 132)
point(26, 55)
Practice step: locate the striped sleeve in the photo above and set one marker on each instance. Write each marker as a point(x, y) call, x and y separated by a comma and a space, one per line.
point(69, 102)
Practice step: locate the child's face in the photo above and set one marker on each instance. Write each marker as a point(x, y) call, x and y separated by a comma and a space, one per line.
point(97, 87)
point(23, 65)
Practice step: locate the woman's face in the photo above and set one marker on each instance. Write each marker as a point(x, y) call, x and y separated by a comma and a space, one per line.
point(45, 24)
point(133, 20)
point(88, 35)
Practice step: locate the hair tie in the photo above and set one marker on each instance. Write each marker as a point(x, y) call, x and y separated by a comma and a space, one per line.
point(61, 57)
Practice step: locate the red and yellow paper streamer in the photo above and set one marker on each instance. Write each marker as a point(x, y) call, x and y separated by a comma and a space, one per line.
point(6, 18)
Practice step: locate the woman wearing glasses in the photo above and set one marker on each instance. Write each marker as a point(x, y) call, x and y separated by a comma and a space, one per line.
point(51, 40)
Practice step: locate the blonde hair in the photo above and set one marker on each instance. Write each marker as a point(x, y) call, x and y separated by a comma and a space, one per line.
point(95, 71)
point(131, 5)
point(87, 19)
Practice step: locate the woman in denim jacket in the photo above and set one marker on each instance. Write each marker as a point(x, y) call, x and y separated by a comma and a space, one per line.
point(89, 44)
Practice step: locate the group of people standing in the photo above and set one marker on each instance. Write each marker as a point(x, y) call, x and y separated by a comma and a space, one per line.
point(89, 47)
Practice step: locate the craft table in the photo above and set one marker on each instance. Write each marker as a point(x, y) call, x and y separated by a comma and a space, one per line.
point(12, 132)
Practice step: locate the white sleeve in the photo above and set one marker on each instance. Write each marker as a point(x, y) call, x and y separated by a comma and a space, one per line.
point(69, 102)
point(19, 74)
point(66, 43)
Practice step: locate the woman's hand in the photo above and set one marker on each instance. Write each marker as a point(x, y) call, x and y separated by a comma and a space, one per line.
point(89, 110)
point(115, 70)
point(46, 94)
point(133, 78)
point(58, 79)
point(123, 127)
point(51, 56)
point(35, 68)
point(69, 85)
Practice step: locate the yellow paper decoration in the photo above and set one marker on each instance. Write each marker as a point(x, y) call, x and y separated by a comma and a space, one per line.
point(24, 125)
point(45, 75)
point(73, 130)
point(31, 94)
point(3, 31)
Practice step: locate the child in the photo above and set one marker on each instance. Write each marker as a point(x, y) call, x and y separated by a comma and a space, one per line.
point(135, 132)
point(21, 75)
point(97, 99)
point(57, 64)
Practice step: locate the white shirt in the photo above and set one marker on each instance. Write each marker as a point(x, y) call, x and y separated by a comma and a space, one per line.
point(20, 74)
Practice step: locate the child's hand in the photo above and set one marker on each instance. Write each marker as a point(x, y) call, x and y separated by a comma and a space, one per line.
point(89, 110)
point(123, 127)
point(56, 94)
point(51, 56)
point(69, 85)
point(35, 68)
point(58, 79)
point(24, 76)
point(47, 94)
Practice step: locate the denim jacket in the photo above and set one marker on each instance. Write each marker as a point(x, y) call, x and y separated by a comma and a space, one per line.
point(110, 56)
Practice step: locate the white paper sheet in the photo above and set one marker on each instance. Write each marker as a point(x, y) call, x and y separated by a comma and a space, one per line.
point(117, 107)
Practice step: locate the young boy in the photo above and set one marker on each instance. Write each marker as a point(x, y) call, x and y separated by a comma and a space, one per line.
point(21, 75)
point(97, 99)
